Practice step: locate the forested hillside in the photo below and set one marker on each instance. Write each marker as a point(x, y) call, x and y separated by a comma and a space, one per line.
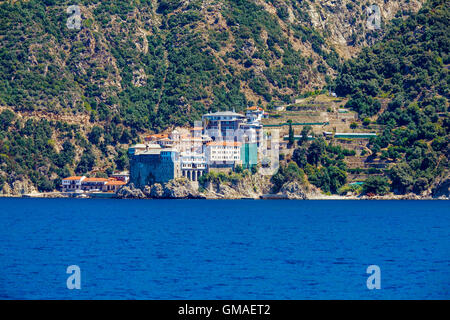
point(408, 69)
point(162, 63)
point(71, 100)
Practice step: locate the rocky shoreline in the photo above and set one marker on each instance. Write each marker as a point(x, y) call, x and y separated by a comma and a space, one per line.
point(251, 187)
point(141, 195)
point(257, 187)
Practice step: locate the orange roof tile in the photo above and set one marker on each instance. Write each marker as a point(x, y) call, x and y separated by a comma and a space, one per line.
point(73, 178)
point(157, 136)
point(115, 183)
point(95, 180)
point(255, 108)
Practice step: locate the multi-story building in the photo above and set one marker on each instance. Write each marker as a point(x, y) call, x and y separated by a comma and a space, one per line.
point(81, 184)
point(253, 133)
point(166, 143)
point(137, 148)
point(218, 124)
point(72, 184)
point(188, 143)
point(207, 147)
point(196, 132)
point(193, 165)
point(93, 184)
point(113, 185)
point(223, 154)
point(155, 164)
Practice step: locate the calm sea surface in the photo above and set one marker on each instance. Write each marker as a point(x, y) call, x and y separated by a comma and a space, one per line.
point(235, 249)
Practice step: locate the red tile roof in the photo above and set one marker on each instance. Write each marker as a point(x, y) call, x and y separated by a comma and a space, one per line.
point(95, 180)
point(255, 108)
point(73, 178)
point(157, 136)
point(115, 183)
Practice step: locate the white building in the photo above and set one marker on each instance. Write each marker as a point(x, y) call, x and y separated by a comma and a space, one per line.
point(81, 183)
point(223, 153)
point(71, 184)
point(190, 143)
point(219, 124)
point(166, 143)
point(193, 165)
point(113, 185)
point(254, 114)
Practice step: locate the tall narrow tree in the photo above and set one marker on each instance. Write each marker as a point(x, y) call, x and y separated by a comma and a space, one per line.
point(291, 135)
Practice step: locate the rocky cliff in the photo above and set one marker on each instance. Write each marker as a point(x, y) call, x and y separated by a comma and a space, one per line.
point(251, 187)
point(18, 187)
point(441, 188)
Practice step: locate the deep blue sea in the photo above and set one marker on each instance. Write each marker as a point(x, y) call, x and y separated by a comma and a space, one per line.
point(224, 249)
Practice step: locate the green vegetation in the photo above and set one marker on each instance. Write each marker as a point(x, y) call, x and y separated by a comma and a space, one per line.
point(223, 178)
point(131, 74)
point(28, 150)
point(356, 189)
point(323, 163)
point(144, 66)
point(410, 66)
point(287, 173)
point(166, 77)
point(291, 138)
point(376, 185)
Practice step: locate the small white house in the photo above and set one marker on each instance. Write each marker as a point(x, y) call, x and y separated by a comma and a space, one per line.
point(254, 114)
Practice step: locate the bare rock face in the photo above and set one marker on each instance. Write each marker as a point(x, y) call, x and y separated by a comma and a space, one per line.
point(174, 189)
point(227, 192)
point(293, 190)
point(130, 192)
point(18, 188)
point(6, 190)
point(412, 196)
point(252, 186)
point(147, 190)
point(179, 189)
point(442, 189)
point(156, 191)
point(257, 186)
point(345, 22)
